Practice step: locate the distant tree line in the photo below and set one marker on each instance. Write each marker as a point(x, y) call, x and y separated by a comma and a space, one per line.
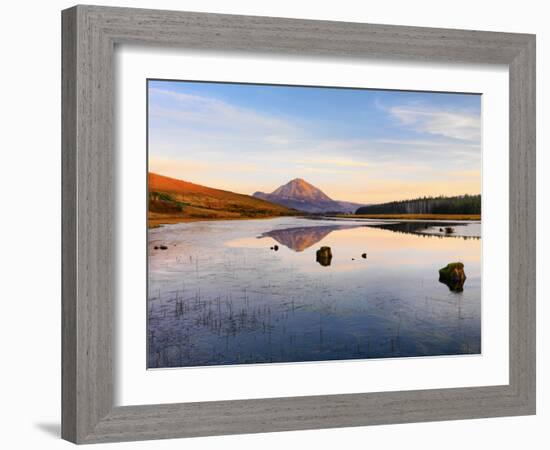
point(461, 204)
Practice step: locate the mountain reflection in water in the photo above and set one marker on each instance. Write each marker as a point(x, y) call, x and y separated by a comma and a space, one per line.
point(300, 238)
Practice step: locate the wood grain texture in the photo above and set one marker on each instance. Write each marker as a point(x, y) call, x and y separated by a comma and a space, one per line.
point(89, 36)
point(68, 226)
point(522, 223)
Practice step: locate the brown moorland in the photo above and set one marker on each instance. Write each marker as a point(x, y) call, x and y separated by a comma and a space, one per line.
point(172, 201)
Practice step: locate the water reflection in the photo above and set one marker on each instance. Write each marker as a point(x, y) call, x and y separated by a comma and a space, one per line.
point(301, 238)
point(324, 256)
point(461, 230)
point(453, 285)
point(218, 295)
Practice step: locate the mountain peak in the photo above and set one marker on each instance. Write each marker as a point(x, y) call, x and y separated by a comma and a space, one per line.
point(303, 196)
point(300, 189)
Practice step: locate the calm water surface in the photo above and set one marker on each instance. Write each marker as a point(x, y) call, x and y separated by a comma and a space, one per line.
point(220, 295)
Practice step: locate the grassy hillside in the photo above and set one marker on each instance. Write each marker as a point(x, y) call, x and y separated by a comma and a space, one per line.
point(172, 201)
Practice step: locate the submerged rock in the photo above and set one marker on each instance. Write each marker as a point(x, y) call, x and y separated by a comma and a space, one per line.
point(453, 276)
point(324, 256)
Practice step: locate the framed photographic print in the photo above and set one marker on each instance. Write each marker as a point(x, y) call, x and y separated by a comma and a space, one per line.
point(317, 278)
point(268, 222)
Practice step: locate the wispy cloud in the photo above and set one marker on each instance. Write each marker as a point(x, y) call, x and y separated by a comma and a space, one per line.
point(181, 167)
point(462, 125)
point(434, 143)
point(331, 161)
point(189, 110)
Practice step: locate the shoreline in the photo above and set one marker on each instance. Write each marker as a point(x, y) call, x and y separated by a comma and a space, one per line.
point(410, 216)
point(158, 222)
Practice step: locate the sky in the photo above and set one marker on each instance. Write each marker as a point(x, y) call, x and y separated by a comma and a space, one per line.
point(358, 145)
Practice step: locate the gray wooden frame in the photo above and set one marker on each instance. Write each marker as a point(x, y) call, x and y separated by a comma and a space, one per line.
point(89, 37)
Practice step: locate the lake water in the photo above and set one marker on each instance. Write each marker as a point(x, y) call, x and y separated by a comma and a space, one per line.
point(252, 291)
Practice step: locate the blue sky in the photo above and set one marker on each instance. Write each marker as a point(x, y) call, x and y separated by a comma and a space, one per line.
point(355, 144)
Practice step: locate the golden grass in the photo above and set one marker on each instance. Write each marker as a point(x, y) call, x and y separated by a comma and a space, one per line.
point(174, 201)
point(414, 216)
point(157, 221)
point(208, 200)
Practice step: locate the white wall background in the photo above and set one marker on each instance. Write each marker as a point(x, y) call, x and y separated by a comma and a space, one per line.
point(31, 208)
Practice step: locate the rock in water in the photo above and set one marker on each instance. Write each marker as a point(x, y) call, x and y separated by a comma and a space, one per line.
point(324, 256)
point(453, 276)
point(453, 271)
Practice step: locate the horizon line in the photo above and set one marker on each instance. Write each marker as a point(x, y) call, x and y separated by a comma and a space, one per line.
point(303, 179)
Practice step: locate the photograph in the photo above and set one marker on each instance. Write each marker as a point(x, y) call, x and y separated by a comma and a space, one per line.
point(293, 224)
